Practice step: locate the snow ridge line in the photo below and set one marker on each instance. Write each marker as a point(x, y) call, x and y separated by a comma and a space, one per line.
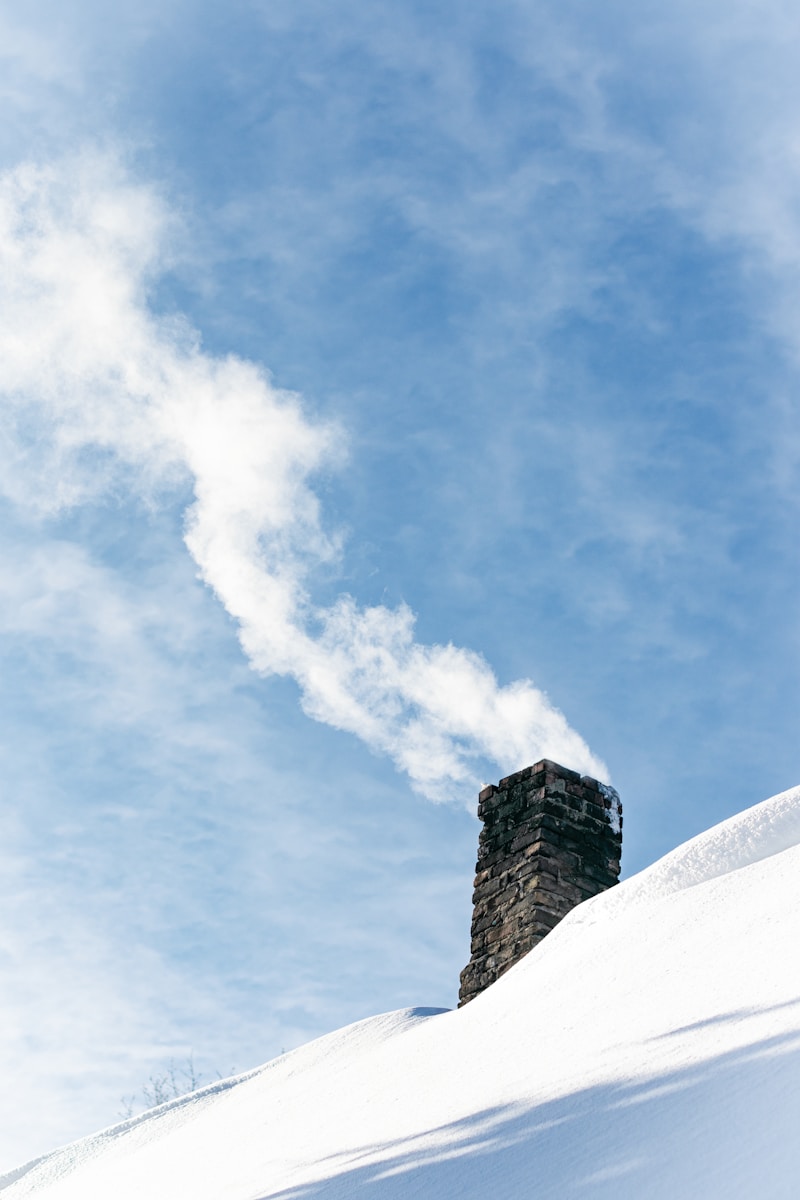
point(749, 837)
point(61, 1158)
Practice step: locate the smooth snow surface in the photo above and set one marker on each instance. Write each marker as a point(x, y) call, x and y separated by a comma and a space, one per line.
point(650, 1047)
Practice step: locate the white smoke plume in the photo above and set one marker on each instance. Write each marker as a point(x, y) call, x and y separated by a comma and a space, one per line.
point(103, 395)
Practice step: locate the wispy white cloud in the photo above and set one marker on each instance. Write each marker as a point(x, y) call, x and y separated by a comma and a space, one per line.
point(511, 152)
point(103, 395)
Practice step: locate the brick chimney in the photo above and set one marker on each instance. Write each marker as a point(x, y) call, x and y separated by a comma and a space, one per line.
point(550, 839)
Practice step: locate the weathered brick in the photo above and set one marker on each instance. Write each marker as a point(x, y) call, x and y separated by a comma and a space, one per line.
point(547, 843)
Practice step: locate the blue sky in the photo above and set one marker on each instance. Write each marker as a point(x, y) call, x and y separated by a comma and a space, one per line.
point(334, 336)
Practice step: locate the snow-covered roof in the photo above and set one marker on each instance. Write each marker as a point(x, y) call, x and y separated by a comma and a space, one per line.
point(649, 1047)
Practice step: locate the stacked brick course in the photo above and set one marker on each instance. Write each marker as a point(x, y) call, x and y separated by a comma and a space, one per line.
point(550, 839)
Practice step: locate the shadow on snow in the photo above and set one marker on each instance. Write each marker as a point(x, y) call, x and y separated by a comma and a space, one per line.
point(723, 1127)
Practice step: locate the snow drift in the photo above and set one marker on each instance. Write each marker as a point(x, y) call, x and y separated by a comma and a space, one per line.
point(649, 1047)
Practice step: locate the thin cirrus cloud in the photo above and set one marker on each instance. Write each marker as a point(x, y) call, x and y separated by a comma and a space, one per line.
point(104, 395)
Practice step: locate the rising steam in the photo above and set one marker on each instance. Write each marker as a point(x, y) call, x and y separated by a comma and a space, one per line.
point(103, 394)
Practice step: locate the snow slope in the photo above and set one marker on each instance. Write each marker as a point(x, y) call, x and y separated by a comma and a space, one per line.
point(650, 1047)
